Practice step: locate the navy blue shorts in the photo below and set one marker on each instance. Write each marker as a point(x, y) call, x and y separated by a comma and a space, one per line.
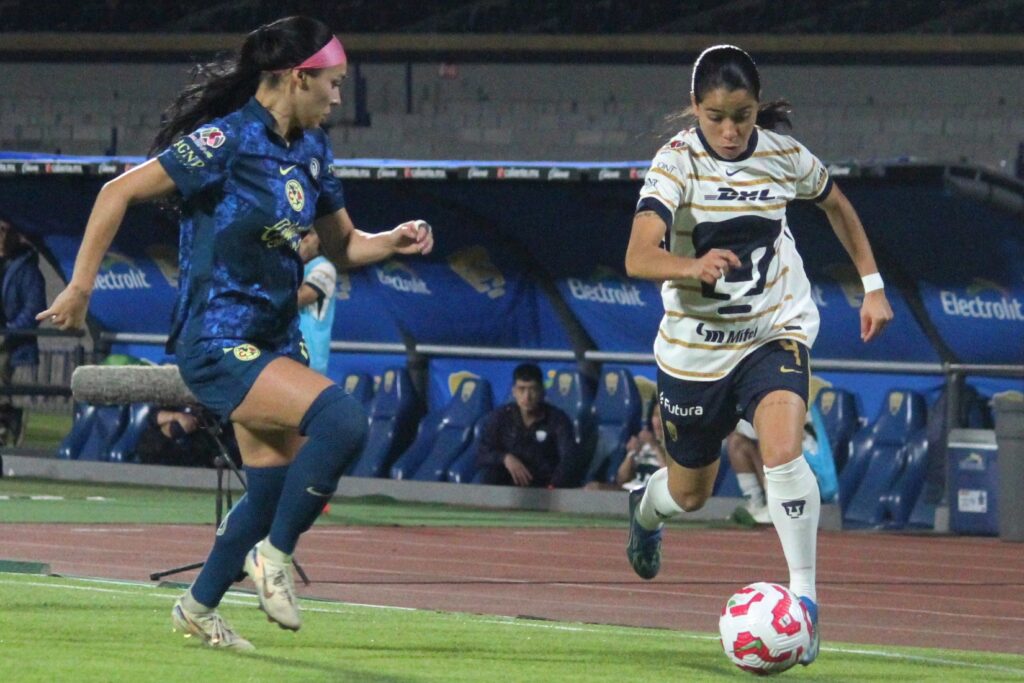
point(698, 415)
point(220, 378)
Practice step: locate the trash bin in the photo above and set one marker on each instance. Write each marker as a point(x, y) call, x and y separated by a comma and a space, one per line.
point(974, 481)
point(1009, 418)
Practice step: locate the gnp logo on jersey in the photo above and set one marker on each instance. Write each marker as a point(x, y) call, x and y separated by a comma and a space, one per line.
point(295, 194)
point(727, 194)
point(605, 286)
point(474, 265)
point(794, 508)
point(119, 272)
point(974, 305)
point(679, 411)
point(401, 278)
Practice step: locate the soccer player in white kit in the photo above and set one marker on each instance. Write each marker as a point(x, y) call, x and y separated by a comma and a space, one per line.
point(739, 319)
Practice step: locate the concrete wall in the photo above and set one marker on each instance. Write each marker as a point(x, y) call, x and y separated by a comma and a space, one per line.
point(551, 111)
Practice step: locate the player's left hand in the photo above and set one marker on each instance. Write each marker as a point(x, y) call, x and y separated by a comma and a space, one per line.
point(413, 237)
point(875, 314)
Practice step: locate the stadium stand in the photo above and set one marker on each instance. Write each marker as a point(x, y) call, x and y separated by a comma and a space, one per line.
point(394, 414)
point(573, 393)
point(471, 401)
point(360, 385)
point(878, 456)
point(900, 500)
point(839, 412)
point(617, 414)
point(123, 449)
point(95, 430)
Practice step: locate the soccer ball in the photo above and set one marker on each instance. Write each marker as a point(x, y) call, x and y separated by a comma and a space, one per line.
point(764, 628)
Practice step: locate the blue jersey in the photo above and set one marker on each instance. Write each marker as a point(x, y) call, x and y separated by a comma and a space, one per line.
point(248, 197)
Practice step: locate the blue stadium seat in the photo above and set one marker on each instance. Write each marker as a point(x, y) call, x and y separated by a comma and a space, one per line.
point(472, 400)
point(726, 485)
point(573, 393)
point(898, 503)
point(877, 456)
point(465, 469)
point(409, 461)
point(93, 434)
point(617, 414)
point(123, 450)
point(71, 445)
point(838, 409)
point(393, 412)
point(360, 385)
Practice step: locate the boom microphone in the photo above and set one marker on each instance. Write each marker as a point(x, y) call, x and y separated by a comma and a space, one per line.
point(117, 384)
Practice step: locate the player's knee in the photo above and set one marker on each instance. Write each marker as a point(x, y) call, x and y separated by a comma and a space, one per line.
point(691, 501)
point(338, 423)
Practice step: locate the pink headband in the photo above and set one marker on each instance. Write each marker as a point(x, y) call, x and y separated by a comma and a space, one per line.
point(331, 54)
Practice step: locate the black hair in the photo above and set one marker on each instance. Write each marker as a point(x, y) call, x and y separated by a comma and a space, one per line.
point(528, 372)
point(729, 67)
point(224, 85)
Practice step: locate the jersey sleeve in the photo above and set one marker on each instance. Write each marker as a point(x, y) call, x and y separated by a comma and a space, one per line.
point(332, 197)
point(201, 159)
point(663, 186)
point(812, 178)
point(322, 278)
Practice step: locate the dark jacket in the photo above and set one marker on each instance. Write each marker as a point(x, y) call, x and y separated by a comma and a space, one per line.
point(23, 295)
point(546, 448)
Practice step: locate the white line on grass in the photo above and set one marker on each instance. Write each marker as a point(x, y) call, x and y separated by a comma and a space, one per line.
point(234, 598)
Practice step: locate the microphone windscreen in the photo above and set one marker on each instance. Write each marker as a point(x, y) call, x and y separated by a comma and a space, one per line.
point(117, 384)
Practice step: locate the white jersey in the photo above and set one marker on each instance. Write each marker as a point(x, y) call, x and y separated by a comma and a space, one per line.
point(740, 205)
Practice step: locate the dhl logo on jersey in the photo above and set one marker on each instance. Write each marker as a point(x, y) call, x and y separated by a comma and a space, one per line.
point(727, 194)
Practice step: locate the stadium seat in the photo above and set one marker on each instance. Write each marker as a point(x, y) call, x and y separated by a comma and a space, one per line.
point(838, 409)
point(465, 469)
point(573, 393)
point(472, 400)
point(409, 461)
point(616, 410)
point(726, 485)
point(93, 434)
point(877, 456)
point(123, 450)
point(360, 385)
point(393, 412)
point(898, 503)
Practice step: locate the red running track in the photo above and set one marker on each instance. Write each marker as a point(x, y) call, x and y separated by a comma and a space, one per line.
point(873, 588)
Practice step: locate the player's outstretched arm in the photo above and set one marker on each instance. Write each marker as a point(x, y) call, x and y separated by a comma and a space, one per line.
point(647, 260)
point(348, 247)
point(875, 312)
point(143, 183)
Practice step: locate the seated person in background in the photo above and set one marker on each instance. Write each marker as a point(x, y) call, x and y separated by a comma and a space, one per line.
point(174, 437)
point(527, 442)
point(645, 455)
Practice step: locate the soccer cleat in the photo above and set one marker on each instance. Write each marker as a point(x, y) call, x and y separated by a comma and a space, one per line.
point(811, 608)
point(210, 627)
point(275, 588)
point(644, 547)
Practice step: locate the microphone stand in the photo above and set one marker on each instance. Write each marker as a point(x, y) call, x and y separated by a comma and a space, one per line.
point(223, 463)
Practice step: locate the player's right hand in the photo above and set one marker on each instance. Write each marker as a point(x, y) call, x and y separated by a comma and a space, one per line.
point(68, 310)
point(713, 265)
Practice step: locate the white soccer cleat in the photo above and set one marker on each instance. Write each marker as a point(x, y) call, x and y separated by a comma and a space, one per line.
point(275, 588)
point(209, 627)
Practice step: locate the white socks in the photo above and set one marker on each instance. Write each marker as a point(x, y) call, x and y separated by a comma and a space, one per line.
point(794, 503)
point(750, 487)
point(657, 504)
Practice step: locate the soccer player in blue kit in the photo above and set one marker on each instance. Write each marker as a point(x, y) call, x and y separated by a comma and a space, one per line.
point(246, 153)
point(739, 319)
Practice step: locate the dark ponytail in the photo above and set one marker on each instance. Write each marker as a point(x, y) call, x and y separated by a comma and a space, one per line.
point(222, 86)
point(729, 67)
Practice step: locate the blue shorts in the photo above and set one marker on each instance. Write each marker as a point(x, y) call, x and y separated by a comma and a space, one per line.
point(222, 377)
point(698, 415)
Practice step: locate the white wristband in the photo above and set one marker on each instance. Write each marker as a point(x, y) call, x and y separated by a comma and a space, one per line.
point(872, 282)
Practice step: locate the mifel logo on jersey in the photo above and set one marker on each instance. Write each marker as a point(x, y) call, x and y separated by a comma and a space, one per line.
point(295, 194)
point(244, 352)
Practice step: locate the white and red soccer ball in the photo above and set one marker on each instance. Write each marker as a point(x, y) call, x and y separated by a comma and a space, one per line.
point(765, 628)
